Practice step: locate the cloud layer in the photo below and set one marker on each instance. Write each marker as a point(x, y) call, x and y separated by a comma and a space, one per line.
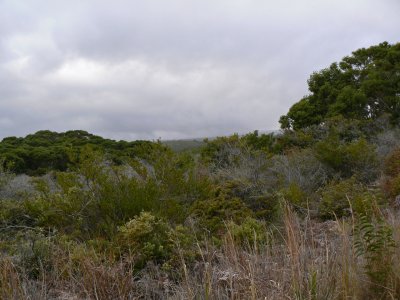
point(172, 69)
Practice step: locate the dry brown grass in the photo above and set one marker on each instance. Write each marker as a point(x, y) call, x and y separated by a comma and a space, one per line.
point(303, 259)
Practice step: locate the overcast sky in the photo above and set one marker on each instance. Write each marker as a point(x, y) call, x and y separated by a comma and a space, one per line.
point(172, 69)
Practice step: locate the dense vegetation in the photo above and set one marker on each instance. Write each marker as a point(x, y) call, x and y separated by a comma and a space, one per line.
point(362, 86)
point(45, 150)
point(309, 213)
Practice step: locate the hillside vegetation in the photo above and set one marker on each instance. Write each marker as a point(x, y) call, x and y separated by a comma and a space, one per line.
point(46, 151)
point(309, 213)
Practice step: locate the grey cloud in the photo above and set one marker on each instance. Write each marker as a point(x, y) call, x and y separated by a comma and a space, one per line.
point(170, 69)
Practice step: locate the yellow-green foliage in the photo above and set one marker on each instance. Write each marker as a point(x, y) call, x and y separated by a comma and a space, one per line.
point(295, 195)
point(250, 232)
point(146, 238)
point(150, 238)
point(95, 199)
point(212, 214)
point(12, 213)
point(344, 197)
point(65, 212)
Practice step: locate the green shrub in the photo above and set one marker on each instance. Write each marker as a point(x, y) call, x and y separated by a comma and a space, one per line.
point(13, 213)
point(34, 252)
point(362, 159)
point(295, 195)
point(374, 241)
point(146, 238)
point(173, 210)
point(251, 232)
point(263, 204)
point(149, 238)
point(339, 199)
point(212, 214)
point(357, 157)
point(5, 174)
point(184, 247)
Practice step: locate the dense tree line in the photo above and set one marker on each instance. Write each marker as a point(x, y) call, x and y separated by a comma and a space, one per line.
point(45, 150)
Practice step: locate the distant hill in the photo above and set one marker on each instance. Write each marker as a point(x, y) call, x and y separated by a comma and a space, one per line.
point(181, 145)
point(46, 150)
point(185, 144)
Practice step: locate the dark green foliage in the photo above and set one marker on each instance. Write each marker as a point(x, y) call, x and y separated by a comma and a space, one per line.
point(346, 130)
point(362, 86)
point(357, 157)
point(218, 151)
point(302, 114)
point(262, 204)
point(46, 150)
point(5, 174)
point(374, 240)
point(257, 141)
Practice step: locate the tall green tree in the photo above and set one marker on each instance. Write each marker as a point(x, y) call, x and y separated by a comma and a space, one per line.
point(364, 85)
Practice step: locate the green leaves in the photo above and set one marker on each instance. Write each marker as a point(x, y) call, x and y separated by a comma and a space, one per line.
point(363, 86)
point(357, 157)
point(45, 150)
point(374, 241)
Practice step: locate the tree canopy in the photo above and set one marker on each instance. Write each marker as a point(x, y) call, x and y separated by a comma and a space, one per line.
point(47, 150)
point(364, 85)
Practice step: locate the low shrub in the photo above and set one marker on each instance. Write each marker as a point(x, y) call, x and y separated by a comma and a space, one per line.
point(251, 232)
point(212, 214)
point(148, 238)
point(340, 199)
